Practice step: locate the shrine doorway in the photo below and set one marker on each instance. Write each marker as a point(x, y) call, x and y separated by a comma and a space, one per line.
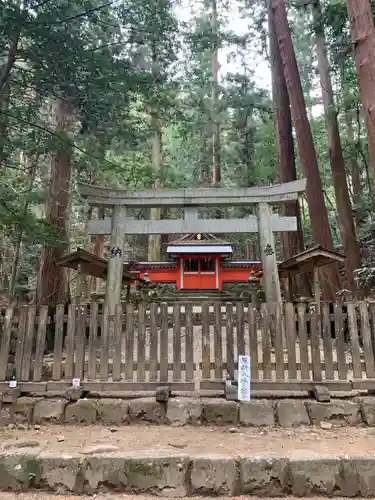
point(199, 272)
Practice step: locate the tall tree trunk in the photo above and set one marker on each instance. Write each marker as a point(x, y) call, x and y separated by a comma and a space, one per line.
point(292, 242)
point(31, 171)
point(99, 247)
point(99, 240)
point(363, 38)
point(354, 166)
point(349, 117)
point(12, 51)
point(53, 283)
point(321, 231)
point(154, 241)
point(286, 167)
point(4, 119)
point(359, 149)
point(85, 281)
point(216, 163)
point(347, 229)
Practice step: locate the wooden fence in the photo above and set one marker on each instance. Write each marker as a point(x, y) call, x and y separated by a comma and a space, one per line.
point(189, 346)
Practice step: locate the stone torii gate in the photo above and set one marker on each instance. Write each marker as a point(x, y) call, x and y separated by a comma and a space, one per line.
point(265, 222)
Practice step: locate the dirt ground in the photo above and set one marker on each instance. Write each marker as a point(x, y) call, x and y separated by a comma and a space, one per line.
point(192, 441)
point(116, 496)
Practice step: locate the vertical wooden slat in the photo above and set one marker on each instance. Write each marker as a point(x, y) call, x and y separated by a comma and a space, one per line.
point(129, 343)
point(93, 340)
point(189, 346)
point(218, 342)
point(340, 343)
point(176, 342)
point(80, 337)
point(279, 351)
point(303, 344)
point(315, 344)
point(28, 343)
point(290, 334)
point(141, 341)
point(5, 343)
point(206, 361)
point(58, 345)
point(229, 339)
point(327, 343)
point(104, 348)
point(164, 343)
point(21, 332)
point(266, 343)
point(354, 341)
point(70, 341)
point(117, 343)
point(253, 335)
point(40, 344)
point(240, 326)
point(367, 340)
point(153, 342)
point(272, 323)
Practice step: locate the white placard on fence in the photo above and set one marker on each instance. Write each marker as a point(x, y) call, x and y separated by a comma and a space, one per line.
point(244, 378)
point(76, 383)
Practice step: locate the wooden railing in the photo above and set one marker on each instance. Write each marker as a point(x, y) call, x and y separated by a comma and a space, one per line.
point(189, 346)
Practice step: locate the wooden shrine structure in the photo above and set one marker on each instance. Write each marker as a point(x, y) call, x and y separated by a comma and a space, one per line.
point(88, 263)
point(199, 262)
point(266, 223)
point(308, 261)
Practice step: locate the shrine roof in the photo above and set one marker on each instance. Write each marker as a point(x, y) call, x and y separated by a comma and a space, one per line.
point(199, 244)
point(199, 239)
point(93, 265)
point(306, 261)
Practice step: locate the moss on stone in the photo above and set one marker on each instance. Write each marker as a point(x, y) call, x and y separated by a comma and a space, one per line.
point(19, 471)
point(88, 403)
point(145, 469)
point(32, 469)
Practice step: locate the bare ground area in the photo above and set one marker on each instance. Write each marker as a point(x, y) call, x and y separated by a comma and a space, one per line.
point(117, 496)
point(192, 441)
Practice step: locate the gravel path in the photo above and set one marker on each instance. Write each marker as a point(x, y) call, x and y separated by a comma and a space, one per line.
point(192, 441)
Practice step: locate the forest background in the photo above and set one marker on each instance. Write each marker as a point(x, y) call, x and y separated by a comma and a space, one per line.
point(167, 93)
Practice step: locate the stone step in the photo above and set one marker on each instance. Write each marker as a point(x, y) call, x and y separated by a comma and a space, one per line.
point(284, 413)
point(188, 460)
point(176, 476)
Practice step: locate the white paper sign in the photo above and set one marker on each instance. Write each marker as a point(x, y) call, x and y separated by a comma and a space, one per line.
point(244, 378)
point(76, 383)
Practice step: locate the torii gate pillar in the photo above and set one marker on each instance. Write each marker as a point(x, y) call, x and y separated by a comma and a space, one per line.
point(271, 281)
point(116, 259)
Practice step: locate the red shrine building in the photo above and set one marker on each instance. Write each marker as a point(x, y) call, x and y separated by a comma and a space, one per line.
point(200, 262)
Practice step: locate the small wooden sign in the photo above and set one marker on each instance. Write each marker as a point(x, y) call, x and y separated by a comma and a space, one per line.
point(244, 378)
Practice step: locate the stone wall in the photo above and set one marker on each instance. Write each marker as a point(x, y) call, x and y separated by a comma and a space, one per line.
point(182, 411)
point(180, 476)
